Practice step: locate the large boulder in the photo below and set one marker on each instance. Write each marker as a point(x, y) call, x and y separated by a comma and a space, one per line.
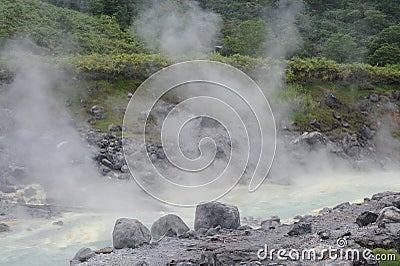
point(389, 215)
point(366, 132)
point(300, 228)
point(211, 214)
point(169, 225)
point(351, 146)
point(130, 233)
point(84, 254)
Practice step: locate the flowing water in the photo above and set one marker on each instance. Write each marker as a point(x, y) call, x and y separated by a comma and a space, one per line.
point(39, 242)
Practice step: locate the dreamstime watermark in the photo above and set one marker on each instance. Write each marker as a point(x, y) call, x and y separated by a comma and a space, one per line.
point(200, 90)
point(341, 252)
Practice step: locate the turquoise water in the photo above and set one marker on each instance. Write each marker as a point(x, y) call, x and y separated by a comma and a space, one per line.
point(39, 242)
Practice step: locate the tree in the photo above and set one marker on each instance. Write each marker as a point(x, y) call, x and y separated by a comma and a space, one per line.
point(248, 38)
point(384, 48)
point(341, 48)
point(122, 10)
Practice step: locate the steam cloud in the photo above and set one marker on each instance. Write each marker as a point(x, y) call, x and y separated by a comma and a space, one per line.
point(178, 28)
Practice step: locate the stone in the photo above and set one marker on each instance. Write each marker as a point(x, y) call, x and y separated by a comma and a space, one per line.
point(366, 132)
point(364, 106)
point(336, 116)
point(342, 206)
point(98, 111)
point(271, 223)
point(211, 214)
point(366, 218)
point(396, 95)
point(324, 234)
point(4, 227)
point(312, 139)
point(84, 254)
point(107, 163)
point(374, 97)
point(130, 233)
point(125, 169)
point(59, 223)
point(212, 232)
point(389, 215)
point(129, 95)
point(106, 250)
point(332, 101)
point(300, 229)
point(166, 223)
point(115, 128)
point(350, 145)
point(315, 123)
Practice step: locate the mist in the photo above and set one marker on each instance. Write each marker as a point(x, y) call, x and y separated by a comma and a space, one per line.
point(178, 28)
point(43, 139)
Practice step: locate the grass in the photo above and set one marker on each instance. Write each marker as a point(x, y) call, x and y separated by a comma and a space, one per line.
point(383, 253)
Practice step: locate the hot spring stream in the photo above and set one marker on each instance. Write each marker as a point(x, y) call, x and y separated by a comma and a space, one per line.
point(39, 242)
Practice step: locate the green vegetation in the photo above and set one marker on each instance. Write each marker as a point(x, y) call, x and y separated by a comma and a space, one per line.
point(387, 254)
point(351, 48)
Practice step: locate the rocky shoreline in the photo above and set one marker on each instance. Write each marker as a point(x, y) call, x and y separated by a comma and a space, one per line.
point(221, 238)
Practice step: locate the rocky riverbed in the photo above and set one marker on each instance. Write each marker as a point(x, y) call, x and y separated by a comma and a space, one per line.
point(219, 237)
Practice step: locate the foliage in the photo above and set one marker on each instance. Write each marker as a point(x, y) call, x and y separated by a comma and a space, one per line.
point(62, 31)
point(385, 47)
point(341, 48)
point(248, 38)
point(132, 66)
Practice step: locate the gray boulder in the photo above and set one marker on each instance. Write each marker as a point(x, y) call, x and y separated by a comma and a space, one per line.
point(211, 214)
point(389, 215)
point(374, 97)
point(98, 111)
point(271, 223)
point(169, 223)
point(396, 95)
point(351, 146)
point(130, 233)
point(84, 254)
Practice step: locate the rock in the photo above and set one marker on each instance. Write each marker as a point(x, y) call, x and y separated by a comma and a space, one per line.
point(300, 229)
point(107, 163)
point(115, 128)
point(345, 124)
point(125, 169)
point(106, 250)
point(389, 215)
point(84, 254)
point(98, 111)
point(324, 234)
point(396, 95)
point(336, 116)
point(188, 234)
point(351, 146)
point(211, 214)
point(166, 223)
point(4, 227)
point(245, 227)
point(313, 139)
point(332, 101)
point(271, 223)
point(374, 97)
point(343, 205)
point(366, 132)
point(130, 233)
point(212, 232)
point(60, 223)
point(364, 106)
point(129, 95)
point(366, 218)
point(315, 123)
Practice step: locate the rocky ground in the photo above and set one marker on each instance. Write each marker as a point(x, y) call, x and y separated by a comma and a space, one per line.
point(219, 239)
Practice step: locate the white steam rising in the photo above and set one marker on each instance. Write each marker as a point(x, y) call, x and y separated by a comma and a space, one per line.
point(178, 28)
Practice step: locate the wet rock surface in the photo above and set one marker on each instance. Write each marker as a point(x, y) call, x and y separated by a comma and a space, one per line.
point(246, 247)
